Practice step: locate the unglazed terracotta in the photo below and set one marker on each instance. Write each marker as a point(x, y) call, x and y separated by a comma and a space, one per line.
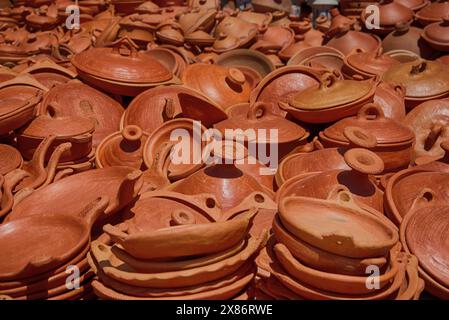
point(346, 40)
point(319, 57)
point(415, 77)
point(394, 140)
point(436, 35)
point(434, 12)
point(355, 233)
point(274, 39)
point(390, 97)
point(44, 250)
point(226, 86)
point(358, 181)
point(232, 33)
point(367, 64)
point(10, 159)
point(415, 5)
point(333, 100)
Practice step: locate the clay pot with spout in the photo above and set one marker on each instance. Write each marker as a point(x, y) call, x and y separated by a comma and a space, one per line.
point(394, 140)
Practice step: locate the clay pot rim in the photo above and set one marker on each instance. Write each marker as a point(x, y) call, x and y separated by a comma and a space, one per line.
point(359, 69)
point(232, 54)
point(85, 134)
point(322, 51)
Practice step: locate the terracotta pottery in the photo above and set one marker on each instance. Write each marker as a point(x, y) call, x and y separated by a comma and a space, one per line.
point(185, 237)
point(358, 180)
point(437, 35)
point(390, 13)
point(406, 37)
point(122, 148)
point(226, 86)
point(334, 99)
point(366, 64)
point(304, 31)
point(119, 183)
point(170, 33)
point(49, 73)
point(10, 159)
point(320, 259)
point(123, 70)
point(8, 183)
point(434, 12)
point(402, 55)
point(204, 4)
point(355, 233)
point(19, 97)
point(232, 33)
point(197, 20)
point(166, 57)
point(318, 57)
point(414, 5)
point(125, 7)
point(346, 40)
point(43, 250)
point(151, 108)
point(394, 140)
point(283, 83)
point(444, 59)
point(274, 39)
point(429, 122)
point(78, 99)
point(262, 20)
point(390, 97)
point(43, 19)
point(76, 130)
point(338, 21)
point(289, 135)
point(423, 80)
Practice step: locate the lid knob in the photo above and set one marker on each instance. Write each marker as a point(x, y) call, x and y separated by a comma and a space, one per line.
point(364, 161)
point(236, 76)
point(132, 133)
point(360, 137)
point(181, 217)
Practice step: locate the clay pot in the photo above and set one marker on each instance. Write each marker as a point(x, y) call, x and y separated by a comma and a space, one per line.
point(390, 14)
point(434, 12)
point(122, 148)
point(10, 159)
point(262, 20)
point(20, 99)
point(429, 122)
point(414, 5)
point(358, 180)
point(259, 117)
point(119, 183)
point(334, 99)
point(366, 64)
point(76, 130)
point(117, 71)
point(166, 57)
point(282, 84)
point(437, 35)
point(199, 38)
point(232, 33)
point(338, 21)
point(403, 55)
point(181, 131)
point(406, 37)
point(345, 235)
point(394, 140)
point(416, 78)
point(204, 4)
point(318, 57)
point(346, 40)
point(170, 33)
point(78, 99)
point(274, 39)
point(139, 29)
point(44, 250)
point(125, 7)
point(197, 20)
point(166, 103)
point(390, 97)
point(226, 86)
point(422, 235)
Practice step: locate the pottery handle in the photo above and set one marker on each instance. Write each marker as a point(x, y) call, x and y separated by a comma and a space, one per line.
point(371, 111)
point(341, 194)
point(359, 137)
point(156, 177)
point(116, 235)
point(258, 200)
point(125, 42)
point(435, 132)
point(327, 80)
point(132, 133)
point(257, 110)
point(93, 210)
point(418, 68)
point(424, 198)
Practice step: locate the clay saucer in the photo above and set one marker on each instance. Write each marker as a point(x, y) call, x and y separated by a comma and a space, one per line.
point(42, 249)
point(184, 238)
point(124, 148)
point(117, 270)
point(344, 228)
point(10, 159)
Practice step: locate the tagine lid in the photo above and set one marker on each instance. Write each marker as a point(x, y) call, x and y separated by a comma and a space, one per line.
point(123, 63)
point(435, 11)
point(332, 92)
point(10, 159)
point(438, 31)
point(421, 78)
point(372, 120)
point(391, 12)
point(71, 126)
point(374, 63)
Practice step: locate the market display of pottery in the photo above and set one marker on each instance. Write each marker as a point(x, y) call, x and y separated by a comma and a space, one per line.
point(183, 150)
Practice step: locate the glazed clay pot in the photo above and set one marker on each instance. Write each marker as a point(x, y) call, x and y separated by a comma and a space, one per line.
point(346, 40)
point(434, 12)
point(259, 117)
point(319, 57)
point(364, 65)
point(358, 180)
point(423, 80)
point(78, 99)
point(334, 99)
point(429, 123)
point(123, 70)
point(232, 33)
point(346, 235)
point(390, 14)
point(406, 37)
point(226, 86)
point(76, 130)
point(394, 140)
point(437, 35)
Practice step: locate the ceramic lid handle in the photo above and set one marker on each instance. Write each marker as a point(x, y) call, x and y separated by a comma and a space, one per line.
point(359, 137)
point(93, 210)
point(235, 77)
point(182, 217)
point(435, 132)
point(257, 110)
point(132, 133)
point(341, 194)
point(364, 161)
point(371, 111)
point(418, 68)
point(424, 198)
point(327, 80)
point(445, 146)
point(125, 42)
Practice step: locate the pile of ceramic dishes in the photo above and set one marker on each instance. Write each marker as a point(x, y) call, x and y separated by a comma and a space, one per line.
point(327, 249)
point(177, 247)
